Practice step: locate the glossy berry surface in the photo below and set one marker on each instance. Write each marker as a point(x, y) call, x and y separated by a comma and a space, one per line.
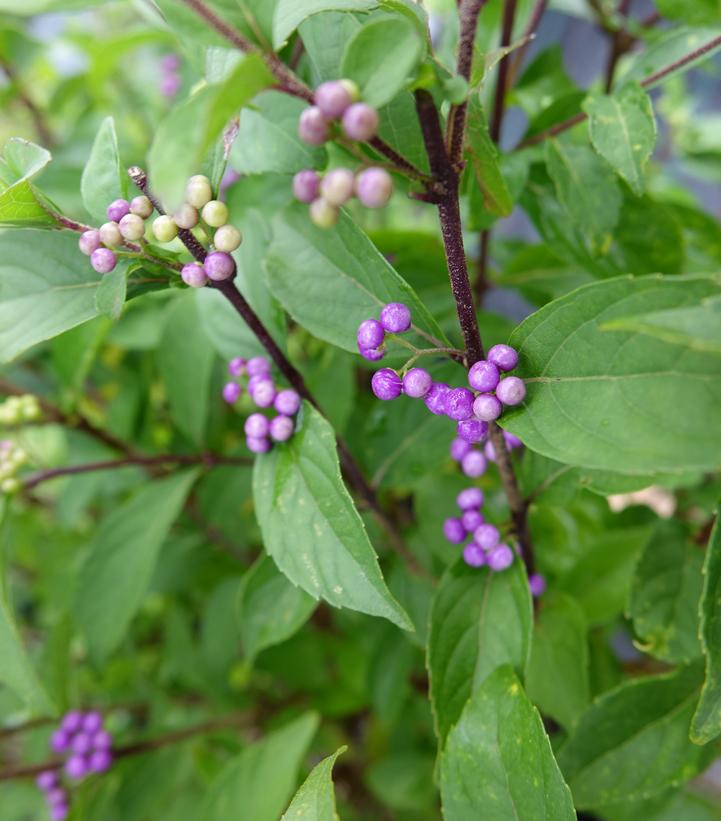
point(454, 531)
point(219, 266)
point(334, 97)
point(360, 122)
point(374, 187)
point(370, 334)
point(186, 216)
point(306, 185)
point(386, 384)
point(281, 428)
point(511, 391)
point(256, 426)
point(89, 241)
point(483, 376)
point(198, 191)
point(435, 399)
point(486, 536)
point(323, 213)
point(227, 238)
point(231, 392)
point(132, 227)
point(118, 209)
point(416, 383)
point(287, 402)
point(259, 445)
point(103, 260)
point(215, 213)
point(504, 356)
point(459, 404)
point(337, 186)
point(474, 464)
point(500, 558)
point(164, 228)
point(141, 206)
point(487, 407)
point(473, 556)
point(194, 275)
point(395, 318)
point(472, 430)
point(313, 126)
point(470, 498)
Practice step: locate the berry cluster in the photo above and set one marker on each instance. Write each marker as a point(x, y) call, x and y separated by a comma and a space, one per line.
point(88, 749)
point(261, 431)
point(18, 409)
point(485, 547)
point(395, 318)
point(473, 458)
point(338, 100)
point(170, 79)
point(12, 458)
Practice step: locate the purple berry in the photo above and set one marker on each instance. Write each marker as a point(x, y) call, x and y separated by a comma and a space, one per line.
point(500, 558)
point(258, 366)
point(56, 796)
point(47, 780)
point(473, 556)
point(435, 399)
point(231, 392)
point(454, 531)
point(313, 126)
point(256, 426)
point(459, 448)
point(103, 260)
point(305, 185)
point(487, 407)
point(76, 767)
point(118, 209)
point(169, 85)
point(281, 428)
point(416, 383)
point(193, 274)
point(511, 390)
point(469, 499)
point(486, 536)
point(100, 761)
point(219, 266)
point(512, 442)
point(60, 741)
point(236, 366)
point(459, 404)
point(287, 402)
point(89, 241)
point(59, 812)
point(72, 721)
point(471, 520)
point(537, 585)
point(372, 354)
point(337, 186)
point(360, 122)
point(483, 376)
point(396, 318)
point(171, 62)
point(257, 445)
point(472, 430)
point(102, 740)
point(504, 356)
point(370, 334)
point(264, 393)
point(81, 743)
point(386, 384)
point(489, 451)
point(374, 187)
point(333, 98)
point(254, 381)
point(474, 464)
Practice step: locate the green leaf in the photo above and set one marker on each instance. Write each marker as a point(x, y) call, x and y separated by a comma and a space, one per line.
point(618, 401)
point(498, 763)
point(185, 361)
point(110, 294)
point(587, 190)
point(269, 609)
point(706, 723)
point(622, 128)
point(186, 135)
point(258, 782)
point(700, 12)
point(665, 594)
point(20, 203)
point(311, 528)
point(557, 679)
point(117, 570)
point(632, 743)
point(46, 287)
point(485, 179)
point(382, 57)
point(289, 14)
point(315, 800)
point(479, 621)
point(330, 281)
point(103, 179)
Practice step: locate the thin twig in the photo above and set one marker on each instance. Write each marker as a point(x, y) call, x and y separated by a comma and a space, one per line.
point(499, 102)
point(528, 35)
point(620, 43)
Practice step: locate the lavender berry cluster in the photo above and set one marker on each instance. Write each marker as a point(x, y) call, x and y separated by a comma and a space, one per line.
point(87, 746)
point(261, 431)
point(473, 457)
point(485, 547)
point(395, 318)
point(338, 100)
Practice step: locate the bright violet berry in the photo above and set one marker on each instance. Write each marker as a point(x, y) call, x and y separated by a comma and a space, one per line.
point(370, 334)
point(60, 741)
point(511, 391)
point(198, 191)
point(117, 210)
point(186, 217)
point(100, 761)
point(459, 404)
point(103, 260)
point(256, 426)
point(374, 187)
point(264, 393)
point(193, 274)
point(89, 241)
point(512, 442)
point(504, 356)
point(141, 206)
point(59, 812)
point(386, 384)
point(334, 97)
point(215, 213)
point(254, 381)
point(306, 185)
point(110, 234)
point(396, 317)
point(227, 238)
point(472, 430)
point(487, 407)
point(416, 383)
point(219, 266)
point(473, 556)
point(281, 428)
point(500, 558)
point(76, 767)
point(459, 448)
point(489, 451)
point(287, 402)
point(372, 354)
point(472, 519)
point(469, 499)
point(231, 392)
point(486, 536)
point(537, 585)
point(474, 464)
point(483, 376)
point(313, 126)
point(102, 740)
point(164, 228)
point(131, 227)
point(454, 531)
point(258, 366)
point(92, 721)
point(236, 366)
point(323, 214)
point(360, 122)
point(435, 399)
point(259, 445)
point(337, 186)
point(81, 743)
point(56, 797)
point(47, 781)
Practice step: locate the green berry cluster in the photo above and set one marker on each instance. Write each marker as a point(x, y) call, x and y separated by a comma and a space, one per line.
point(19, 409)
point(12, 458)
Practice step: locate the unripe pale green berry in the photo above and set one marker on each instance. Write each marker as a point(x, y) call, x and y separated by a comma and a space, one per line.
point(351, 88)
point(186, 216)
point(215, 213)
point(165, 229)
point(323, 214)
point(110, 234)
point(11, 485)
point(132, 227)
point(227, 238)
point(198, 191)
point(337, 186)
point(141, 206)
